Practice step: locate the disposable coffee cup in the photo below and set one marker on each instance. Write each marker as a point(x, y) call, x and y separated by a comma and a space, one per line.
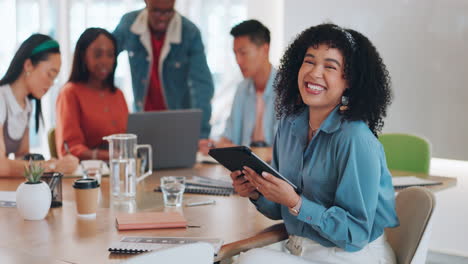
point(86, 196)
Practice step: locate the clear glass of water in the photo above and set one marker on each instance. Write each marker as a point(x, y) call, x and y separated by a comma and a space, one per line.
point(173, 188)
point(92, 169)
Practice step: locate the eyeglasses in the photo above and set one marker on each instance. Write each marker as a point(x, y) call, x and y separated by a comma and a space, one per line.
point(162, 12)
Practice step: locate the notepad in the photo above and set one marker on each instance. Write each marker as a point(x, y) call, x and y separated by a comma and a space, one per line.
point(132, 245)
point(150, 220)
point(400, 182)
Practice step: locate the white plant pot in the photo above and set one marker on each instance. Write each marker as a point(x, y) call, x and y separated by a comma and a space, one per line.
point(33, 200)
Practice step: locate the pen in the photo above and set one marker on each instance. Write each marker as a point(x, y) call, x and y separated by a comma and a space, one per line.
point(65, 146)
point(201, 203)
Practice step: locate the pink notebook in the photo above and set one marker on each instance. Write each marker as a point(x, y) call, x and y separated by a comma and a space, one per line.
point(150, 220)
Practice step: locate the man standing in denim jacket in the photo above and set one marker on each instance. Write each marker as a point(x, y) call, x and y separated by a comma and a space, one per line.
point(167, 60)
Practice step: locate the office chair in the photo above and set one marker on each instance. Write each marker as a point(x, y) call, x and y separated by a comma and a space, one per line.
point(196, 253)
point(51, 140)
point(406, 152)
point(410, 240)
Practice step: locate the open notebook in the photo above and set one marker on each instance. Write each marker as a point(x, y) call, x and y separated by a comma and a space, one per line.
point(400, 182)
point(134, 245)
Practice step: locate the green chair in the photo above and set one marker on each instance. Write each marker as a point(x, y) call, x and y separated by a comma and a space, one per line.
point(406, 152)
point(52, 146)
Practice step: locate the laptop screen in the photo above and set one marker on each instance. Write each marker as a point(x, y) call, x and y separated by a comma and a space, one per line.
point(173, 135)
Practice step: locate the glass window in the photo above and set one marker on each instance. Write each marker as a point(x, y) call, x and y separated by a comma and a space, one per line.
point(215, 18)
point(65, 20)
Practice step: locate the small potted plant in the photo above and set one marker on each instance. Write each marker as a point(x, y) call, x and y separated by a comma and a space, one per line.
point(33, 197)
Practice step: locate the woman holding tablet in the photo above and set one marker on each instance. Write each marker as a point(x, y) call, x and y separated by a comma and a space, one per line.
point(332, 94)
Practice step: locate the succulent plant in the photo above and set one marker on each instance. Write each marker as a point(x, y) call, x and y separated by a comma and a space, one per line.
point(33, 172)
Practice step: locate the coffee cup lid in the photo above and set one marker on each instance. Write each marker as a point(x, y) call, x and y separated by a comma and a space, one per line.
point(85, 184)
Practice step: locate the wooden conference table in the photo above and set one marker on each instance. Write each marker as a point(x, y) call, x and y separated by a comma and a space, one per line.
point(63, 237)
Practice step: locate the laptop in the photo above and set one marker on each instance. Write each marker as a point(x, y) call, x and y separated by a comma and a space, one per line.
point(173, 135)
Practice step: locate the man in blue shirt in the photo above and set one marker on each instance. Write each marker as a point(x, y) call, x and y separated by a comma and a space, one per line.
point(167, 60)
point(252, 120)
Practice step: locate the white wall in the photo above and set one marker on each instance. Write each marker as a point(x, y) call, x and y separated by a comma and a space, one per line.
point(270, 13)
point(449, 229)
point(423, 43)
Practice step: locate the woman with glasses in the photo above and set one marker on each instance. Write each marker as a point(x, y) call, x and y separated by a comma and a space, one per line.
point(29, 76)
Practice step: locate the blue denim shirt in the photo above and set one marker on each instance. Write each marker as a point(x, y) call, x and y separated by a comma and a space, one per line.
point(241, 122)
point(347, 193)
point(184, 73)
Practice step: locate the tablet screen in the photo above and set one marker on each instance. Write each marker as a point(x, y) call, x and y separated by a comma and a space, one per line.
point(234, 158)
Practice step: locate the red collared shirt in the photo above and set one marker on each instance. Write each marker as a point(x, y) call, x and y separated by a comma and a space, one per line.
point(154, 99)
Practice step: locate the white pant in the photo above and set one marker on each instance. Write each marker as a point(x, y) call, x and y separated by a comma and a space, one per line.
point(303, 250)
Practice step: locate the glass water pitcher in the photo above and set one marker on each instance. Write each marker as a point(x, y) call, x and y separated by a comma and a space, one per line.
point(123, 153)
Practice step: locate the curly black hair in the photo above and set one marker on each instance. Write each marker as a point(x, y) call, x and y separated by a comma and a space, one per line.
point(369, 82)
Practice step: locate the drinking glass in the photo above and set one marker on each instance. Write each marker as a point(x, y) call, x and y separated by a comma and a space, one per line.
point(92, 169)
point(173, 188)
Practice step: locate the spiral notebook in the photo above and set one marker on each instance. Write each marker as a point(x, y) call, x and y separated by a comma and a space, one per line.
point(204, 185)
point(133, 245)
point(400, 182)
point(204, 190)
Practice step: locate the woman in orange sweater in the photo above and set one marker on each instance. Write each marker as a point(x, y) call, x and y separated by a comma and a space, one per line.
point(89, 106)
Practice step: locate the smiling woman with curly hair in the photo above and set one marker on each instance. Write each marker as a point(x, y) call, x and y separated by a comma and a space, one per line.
point(333, 90)
point(368, 90)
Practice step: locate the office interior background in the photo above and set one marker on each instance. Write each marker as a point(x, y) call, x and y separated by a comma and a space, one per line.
point(422, 42)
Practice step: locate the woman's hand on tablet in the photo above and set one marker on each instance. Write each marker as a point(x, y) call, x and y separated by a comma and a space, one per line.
point(273, 188)
point(242, 186)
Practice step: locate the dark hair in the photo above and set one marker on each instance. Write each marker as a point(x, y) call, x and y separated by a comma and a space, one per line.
point(25, 52)
point(368, 79)
point(79, 72)
point(256, 31)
